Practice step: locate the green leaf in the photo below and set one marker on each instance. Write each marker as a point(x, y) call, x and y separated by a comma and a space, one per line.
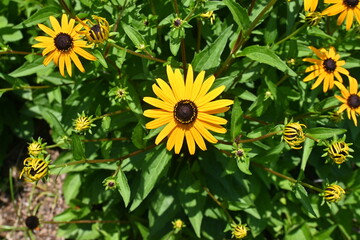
point(134, 35)
point(40, 16)
point(29, 68)
point(265, 55)
point(239, 13)
point(324, 133)
point(138, 136)
point(308, 147)
point(71, 186)
point(236, 119)
point(210, 56)
point(301, 194)
point(123, 187)
point(77, 147)
point(244, 164)
point(100, 58)
point(325, 234)
point(192, 199)
point(153, 170)
point(56, 124)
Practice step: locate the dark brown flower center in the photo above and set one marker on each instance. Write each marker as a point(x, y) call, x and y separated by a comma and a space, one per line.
point(177, 22)
point(351, 3)
point(329, 65)
point(185, 111)
point(32, 222)
point(63, 42)
point(96, 29)
point(354, 101)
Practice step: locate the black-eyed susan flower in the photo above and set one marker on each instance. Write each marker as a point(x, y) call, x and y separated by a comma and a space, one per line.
point(333, 193)
point(32, 222)
point(325, 69)
point(338, 150)
point(97, 32)
point(347, 8)
point(350, 99)
point(36, 147)
point(63, 45)
point(209, 15)
point(293, 134)
point(239, 231)
point(34, 169)
point(310, 5)
point(186, 108)
point(83, 123)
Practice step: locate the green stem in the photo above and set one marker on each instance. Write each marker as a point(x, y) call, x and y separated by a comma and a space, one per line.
point(104, 160)
point(242, 38)
point(12, 194)
point(110, 114)
point(85, 221)
point(311, 137)
point(291, 35)
point(230, 219)
point(19, 52)
point(187, 18)
point(63, 4)
point(138, 54)
point(288, 178)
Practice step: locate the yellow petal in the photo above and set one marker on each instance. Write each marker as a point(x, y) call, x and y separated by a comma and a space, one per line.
point(198, 138)
point(64, 23)
point(349, 19)
point(166, 88)
point(165, 132)
point(172, 139)
point(61, 64)
point(214, 127)
point(77, 61)
point(159, 104)
point(84, 54)
point(55, 24)
point(211, 118)
point(163, 95)
point(205, 133)
point(190, 142)
point(197, 85)
point(189, 82)
point(158, 122)
point(205, 87)
point(218, 104)
point(47, 30)
point(68, 64)
point(209, 96)
point(156, 113)
point(179, 140)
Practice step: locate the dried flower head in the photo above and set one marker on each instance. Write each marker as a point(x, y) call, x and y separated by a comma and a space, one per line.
point(338, 150)
point(293, 134)
point(34, 169)
point(32, 222)
point(97, 32)
point(333, 193)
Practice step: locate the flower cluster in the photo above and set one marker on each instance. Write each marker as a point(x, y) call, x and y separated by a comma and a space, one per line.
point(66, 41)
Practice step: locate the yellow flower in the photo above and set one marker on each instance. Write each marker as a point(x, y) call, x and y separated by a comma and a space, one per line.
point(294, 135)
point(333, 193)
point(239, 231)
point(34, 169)
point(326, 68)
point(346, 8)
point(36, 147)
point(310, 5)
point(313, 18)
point(95, 33)
point(63, 45)
point(350, 99)
point(178, 224)
point(210, 15)
point(186, 109)
point(338, 151)
point(83, 123)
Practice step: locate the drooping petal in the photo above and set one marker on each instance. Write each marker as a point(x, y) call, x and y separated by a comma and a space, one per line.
point(165, 132)
point(190, 142)
point(205, 133)
point(179, 140)
point(198, 138)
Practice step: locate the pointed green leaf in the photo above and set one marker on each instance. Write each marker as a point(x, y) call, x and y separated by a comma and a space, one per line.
point(138, 136)
point(308, 146)
point(210, 56)
point(77, 148)
point(123, 187)
point(265, 55)
point(192, 199)
point(324, 133)
point(239, 13)
point(134, 35)
point(40, 16)
point(236, 119)
point(29, 68)
point(54, 122)
point(301, 194)
point(153, 170)
point(100, 58)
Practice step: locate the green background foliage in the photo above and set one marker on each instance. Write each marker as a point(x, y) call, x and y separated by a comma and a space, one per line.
point(248, 50)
